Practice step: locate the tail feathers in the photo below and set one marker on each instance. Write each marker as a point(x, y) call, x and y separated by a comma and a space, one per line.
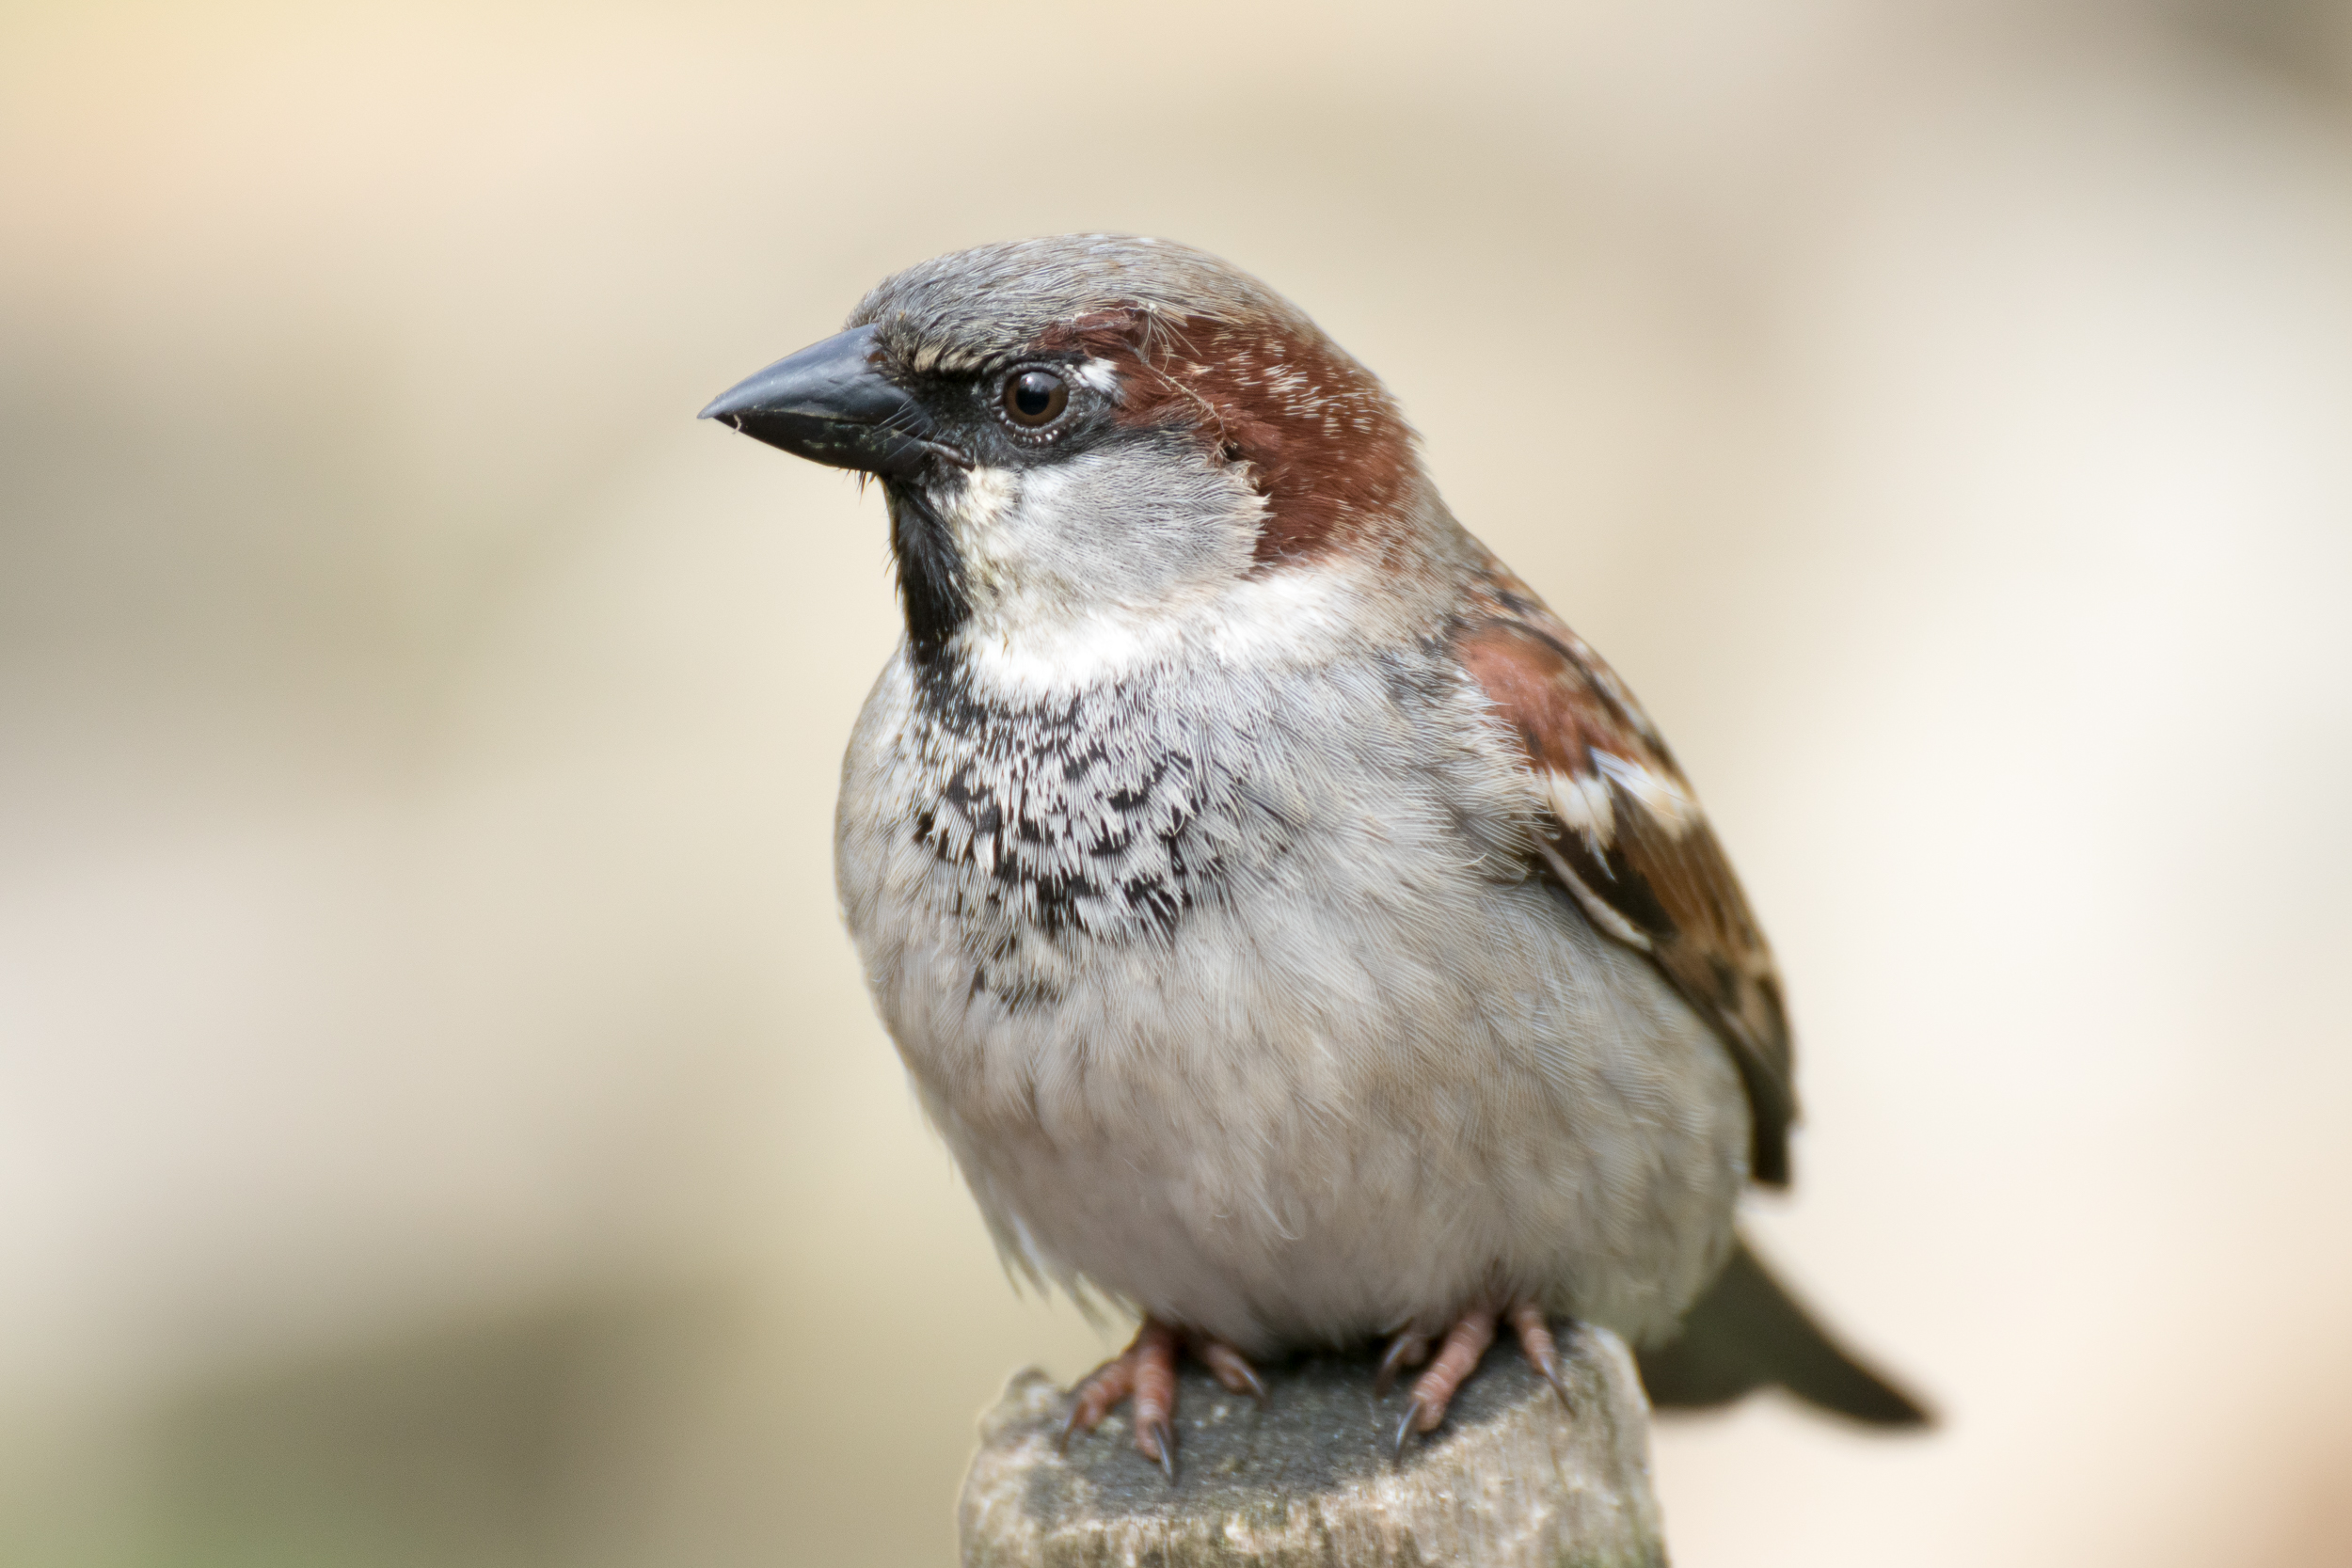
point(1747, 1333)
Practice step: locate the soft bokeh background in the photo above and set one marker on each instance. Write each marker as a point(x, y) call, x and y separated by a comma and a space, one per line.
point(439, 1120)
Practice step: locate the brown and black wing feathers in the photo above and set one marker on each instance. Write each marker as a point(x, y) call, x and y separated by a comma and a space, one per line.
point(1626, 837)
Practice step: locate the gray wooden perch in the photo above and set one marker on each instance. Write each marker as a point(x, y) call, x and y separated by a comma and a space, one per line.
point(1514, 1478)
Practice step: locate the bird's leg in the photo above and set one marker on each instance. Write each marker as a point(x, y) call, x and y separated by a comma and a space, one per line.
point(1145, 1373)
point(1536, 1343)
point(1465, 1342)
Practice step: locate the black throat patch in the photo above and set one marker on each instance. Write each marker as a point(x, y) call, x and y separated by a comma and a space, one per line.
point(930, 571)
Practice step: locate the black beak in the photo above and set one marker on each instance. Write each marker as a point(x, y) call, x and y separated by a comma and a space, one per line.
point(832, 404)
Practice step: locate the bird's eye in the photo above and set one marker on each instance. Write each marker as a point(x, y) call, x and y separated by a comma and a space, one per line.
point(1035, 398)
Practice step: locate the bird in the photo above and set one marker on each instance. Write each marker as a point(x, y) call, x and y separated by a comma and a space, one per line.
point(1296, 932)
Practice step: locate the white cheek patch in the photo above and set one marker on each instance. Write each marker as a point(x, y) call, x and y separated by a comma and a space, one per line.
point(1091, 567)
point(975, 510)
point(1013, 530)
point(978, 498)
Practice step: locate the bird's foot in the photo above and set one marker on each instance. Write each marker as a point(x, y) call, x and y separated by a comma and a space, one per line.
point(1465, 1344)
point(1145, 1373)
point(1535, 1342)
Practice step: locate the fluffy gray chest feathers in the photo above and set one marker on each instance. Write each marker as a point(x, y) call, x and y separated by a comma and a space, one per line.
point(1223, 988)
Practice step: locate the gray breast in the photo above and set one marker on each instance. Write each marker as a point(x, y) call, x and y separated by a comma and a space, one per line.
point(1228, 992)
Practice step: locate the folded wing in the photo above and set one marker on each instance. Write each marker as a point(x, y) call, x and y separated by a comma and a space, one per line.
point(1625, 836)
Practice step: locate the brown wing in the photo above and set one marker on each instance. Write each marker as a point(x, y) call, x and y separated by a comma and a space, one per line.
point(1625, 835)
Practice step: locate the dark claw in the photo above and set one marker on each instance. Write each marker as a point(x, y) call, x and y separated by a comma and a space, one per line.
point(1404, 1426)
point(1163, 1444)
point(1541, 1350)
point(1400, 1354)
point(1232, 1370)
point(1548, 1368)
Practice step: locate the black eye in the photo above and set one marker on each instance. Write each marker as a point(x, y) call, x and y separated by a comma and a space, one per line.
point(1035, 398)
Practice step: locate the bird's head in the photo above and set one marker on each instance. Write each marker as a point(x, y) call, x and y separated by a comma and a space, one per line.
point(1085, 439)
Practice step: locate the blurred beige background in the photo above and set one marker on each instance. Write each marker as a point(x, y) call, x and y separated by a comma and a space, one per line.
point(440, 1119)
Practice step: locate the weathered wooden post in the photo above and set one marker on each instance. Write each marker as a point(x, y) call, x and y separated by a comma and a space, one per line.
point(1513, 1480)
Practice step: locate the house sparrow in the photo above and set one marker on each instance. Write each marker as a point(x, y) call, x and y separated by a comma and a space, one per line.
point(1297, 931)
